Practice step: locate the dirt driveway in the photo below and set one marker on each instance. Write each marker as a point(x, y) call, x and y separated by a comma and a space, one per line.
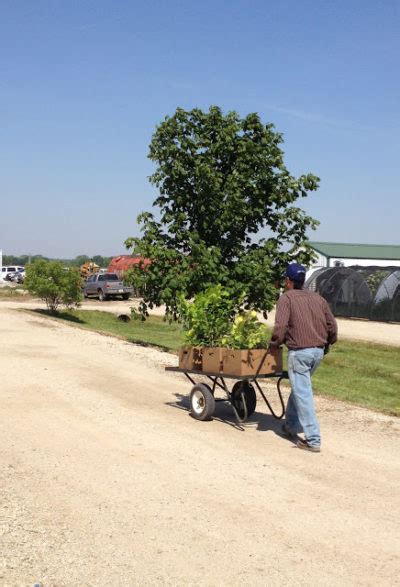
point(106, 480)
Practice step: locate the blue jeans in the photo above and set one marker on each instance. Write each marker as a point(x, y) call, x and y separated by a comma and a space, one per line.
point(300, 410)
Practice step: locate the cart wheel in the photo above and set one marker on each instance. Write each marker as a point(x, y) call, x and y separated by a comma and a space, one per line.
point(202, 402)
point(249, 396)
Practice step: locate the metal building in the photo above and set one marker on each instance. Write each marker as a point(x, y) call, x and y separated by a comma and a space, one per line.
point(347, 255)
point(359, 292)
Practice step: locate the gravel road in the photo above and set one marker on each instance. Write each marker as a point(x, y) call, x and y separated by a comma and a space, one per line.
point(106, 480)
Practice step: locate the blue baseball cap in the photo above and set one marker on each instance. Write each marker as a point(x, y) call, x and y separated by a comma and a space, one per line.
point(295, 272)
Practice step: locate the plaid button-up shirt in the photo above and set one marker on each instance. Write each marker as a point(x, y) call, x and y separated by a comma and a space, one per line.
point(303, 320)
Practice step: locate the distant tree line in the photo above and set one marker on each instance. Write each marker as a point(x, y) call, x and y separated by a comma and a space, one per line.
point(77, 262)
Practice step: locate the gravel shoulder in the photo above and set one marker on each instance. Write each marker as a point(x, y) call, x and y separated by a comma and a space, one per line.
point(105, 478)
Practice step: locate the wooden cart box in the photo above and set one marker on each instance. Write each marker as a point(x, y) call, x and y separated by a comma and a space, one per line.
point(246, 362)
point(212, 359)
point(201, 358)
point(191, 357)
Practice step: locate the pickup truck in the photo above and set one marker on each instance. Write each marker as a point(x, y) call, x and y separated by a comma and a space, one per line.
point(106, 285)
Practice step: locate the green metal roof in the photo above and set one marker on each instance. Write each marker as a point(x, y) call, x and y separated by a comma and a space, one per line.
point(357, 251)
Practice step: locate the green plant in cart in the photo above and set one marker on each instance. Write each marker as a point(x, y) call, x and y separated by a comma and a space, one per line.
point(247, 332)
point(208, 318)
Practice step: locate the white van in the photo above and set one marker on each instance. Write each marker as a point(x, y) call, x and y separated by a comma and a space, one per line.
point(11, 269)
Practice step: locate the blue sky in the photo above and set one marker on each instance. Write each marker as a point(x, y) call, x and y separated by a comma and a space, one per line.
point(84, 83)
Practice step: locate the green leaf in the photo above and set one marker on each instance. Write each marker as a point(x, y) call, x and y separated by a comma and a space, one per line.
point(221, 179)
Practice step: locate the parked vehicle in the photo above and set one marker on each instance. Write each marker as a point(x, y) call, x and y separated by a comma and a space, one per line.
point(17, 277)
point(106, 285)
point(5, 271)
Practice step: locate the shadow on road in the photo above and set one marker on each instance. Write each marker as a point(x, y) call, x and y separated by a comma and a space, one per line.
point(224, 413)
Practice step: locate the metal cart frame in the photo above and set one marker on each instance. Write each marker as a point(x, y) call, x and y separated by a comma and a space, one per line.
point(242, 397)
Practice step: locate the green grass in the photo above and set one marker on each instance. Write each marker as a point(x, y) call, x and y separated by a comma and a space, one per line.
point(11, 293)
point(362, 373)
point(357, 372)
point(154, 331)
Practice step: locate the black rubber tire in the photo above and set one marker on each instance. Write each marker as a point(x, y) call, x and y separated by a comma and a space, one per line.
point(250, 398)
point(202, 402)
point(126, 296)
point(102, 295)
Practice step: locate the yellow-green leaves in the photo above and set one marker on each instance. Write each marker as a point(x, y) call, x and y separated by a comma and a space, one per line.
point(247, 332)
point(213, 318)
point(207, 319)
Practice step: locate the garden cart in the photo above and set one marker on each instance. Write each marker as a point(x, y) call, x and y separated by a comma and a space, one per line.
point(242, 396)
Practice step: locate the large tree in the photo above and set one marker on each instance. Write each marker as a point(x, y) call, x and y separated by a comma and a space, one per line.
point(221, 180)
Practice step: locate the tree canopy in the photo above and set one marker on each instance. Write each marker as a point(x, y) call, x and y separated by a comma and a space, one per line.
point(221, 180)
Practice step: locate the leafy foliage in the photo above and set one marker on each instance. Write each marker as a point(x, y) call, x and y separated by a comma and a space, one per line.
point(247, 332)
point(213, 318)
point(208, 318)
point(221, 179)
point(54, 283)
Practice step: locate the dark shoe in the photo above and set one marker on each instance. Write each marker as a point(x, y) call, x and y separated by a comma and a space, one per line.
point(306, 446)
point(286, 431)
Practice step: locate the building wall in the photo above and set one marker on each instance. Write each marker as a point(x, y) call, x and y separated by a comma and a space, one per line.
point(322, 261)
point(366, 262)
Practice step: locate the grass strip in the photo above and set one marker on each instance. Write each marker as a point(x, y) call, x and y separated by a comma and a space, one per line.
point(8, 293)
point(361, 373)
point(155, 331)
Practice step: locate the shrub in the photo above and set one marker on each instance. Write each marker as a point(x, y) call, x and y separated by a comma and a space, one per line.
point(208, 318)
point(55, 284)
point(247, 332)
point(214, 319)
